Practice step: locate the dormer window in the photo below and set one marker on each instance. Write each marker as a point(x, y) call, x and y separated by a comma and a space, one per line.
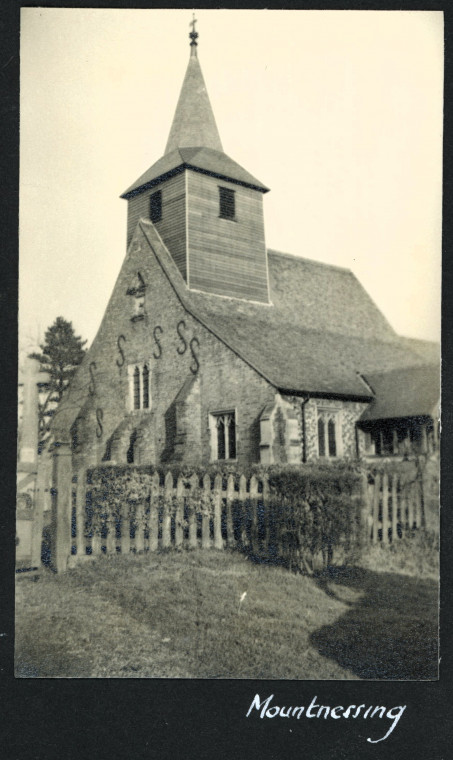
point(155, 206)
point(226, 203)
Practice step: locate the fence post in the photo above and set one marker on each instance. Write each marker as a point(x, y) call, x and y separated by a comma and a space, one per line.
point(125, 528)
point(410, 507)
point(166, 518)
point(254, 509)
point(140, 526)
point(385, 508)
point(229, 510)
point(242, 517)
point(376, 497)
point(154, 514)
point(416, 503)
point(179, 514)
point(218, 542)
point(193, 512)
point(424, 492)
point(80, 513)
point(395, 480)
point(62, 505)
point(96, 541)
point(266, 510)
point(364, 529)
point(38, 519)
point(206, 505)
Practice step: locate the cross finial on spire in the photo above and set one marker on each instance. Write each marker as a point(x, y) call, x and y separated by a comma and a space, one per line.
point(193, 36)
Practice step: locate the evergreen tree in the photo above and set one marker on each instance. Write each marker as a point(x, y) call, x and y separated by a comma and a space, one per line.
point(62, 352)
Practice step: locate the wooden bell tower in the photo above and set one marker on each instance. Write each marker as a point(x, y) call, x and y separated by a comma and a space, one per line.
point(206, 207)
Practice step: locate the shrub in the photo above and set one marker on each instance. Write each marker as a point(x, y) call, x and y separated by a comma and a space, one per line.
point(313, 509)
point(318, 510)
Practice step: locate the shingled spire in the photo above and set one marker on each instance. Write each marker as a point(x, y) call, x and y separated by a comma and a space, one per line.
point(193, 124)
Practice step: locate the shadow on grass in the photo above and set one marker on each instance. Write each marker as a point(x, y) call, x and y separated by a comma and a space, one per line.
point(390, 630)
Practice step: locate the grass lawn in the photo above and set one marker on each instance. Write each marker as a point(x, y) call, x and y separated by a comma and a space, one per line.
point(180, 615)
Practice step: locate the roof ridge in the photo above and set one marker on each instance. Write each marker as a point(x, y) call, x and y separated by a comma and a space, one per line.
point(411, 368)
point(421, 340)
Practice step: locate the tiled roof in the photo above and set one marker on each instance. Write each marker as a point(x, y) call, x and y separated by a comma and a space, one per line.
point(206, 160)
point(428, 350)
point(320, 333)
point(407, 392)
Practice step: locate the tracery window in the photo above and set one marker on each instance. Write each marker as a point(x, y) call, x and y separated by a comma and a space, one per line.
point(223, 435)
point(139, 386)
point(329, 433)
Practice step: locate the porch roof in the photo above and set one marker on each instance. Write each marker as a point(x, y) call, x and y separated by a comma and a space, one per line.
point(408, 392)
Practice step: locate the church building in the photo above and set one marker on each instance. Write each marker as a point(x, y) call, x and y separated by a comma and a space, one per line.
point(214, 348)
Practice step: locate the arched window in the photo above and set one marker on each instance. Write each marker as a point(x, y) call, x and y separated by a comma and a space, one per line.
point(329, 432)
point(145, 387)
point(139, 387)
point(223, 435)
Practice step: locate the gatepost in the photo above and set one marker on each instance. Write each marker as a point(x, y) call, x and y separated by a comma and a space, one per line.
point(41, 482)
point(61, 505)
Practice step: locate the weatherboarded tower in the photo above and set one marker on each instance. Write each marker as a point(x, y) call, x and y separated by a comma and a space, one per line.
point(207, 209)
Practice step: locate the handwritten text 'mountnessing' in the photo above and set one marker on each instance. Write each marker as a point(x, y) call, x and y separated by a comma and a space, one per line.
point(266, 710)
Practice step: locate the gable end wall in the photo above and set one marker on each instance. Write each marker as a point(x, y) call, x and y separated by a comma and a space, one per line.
point(225, 380)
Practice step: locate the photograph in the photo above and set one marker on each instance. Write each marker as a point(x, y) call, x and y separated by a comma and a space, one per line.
point(230, 243)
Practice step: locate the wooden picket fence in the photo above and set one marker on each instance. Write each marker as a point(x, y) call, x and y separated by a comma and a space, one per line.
point(394, 506)
point(185, 515)
point(225, 513)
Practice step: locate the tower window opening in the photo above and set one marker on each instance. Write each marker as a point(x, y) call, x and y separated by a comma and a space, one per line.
point(226, 203)
point(155, 206)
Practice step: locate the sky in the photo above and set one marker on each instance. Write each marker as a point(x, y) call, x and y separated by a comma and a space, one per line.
point(339, 113)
